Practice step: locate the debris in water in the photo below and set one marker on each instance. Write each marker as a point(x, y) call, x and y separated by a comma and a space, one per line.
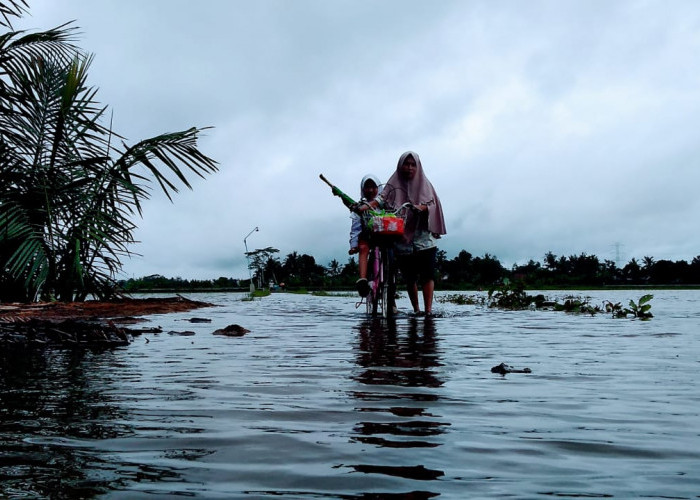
point(504, 368)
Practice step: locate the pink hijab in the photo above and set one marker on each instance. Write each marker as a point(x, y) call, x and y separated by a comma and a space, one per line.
point(418, 191)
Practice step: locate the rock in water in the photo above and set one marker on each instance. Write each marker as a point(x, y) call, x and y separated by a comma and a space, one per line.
point(232, 331)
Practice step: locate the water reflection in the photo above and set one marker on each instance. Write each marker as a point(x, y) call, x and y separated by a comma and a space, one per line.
point(398, 369)
point(390, 359)
point(52, 415)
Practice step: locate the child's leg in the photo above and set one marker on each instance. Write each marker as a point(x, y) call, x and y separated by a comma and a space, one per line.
point(363, 258)
point(362, 284)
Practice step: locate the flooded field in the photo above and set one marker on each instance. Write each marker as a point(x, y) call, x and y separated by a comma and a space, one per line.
point(318, 401)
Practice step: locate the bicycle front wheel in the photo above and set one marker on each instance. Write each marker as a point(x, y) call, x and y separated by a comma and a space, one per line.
point(375, 281)
point(388, 289)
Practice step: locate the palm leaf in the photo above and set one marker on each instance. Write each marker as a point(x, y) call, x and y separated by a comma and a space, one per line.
point(172, 150)
point(11, 8)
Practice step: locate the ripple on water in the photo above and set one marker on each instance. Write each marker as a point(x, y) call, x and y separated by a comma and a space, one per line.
point(319, 401)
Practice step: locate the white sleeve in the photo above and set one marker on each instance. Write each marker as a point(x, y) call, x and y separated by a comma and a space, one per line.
point(355, 230)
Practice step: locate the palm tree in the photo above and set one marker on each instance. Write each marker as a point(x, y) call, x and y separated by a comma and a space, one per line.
point(68, 192)
point(648, 264)
point(258, 261)
point(334, 268)
point(550, 261)
point(632, 270)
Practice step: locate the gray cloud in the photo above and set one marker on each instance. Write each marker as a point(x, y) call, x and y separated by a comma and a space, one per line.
point(562, 126)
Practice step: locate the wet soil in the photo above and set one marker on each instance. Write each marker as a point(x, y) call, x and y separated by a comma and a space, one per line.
point(89, 323)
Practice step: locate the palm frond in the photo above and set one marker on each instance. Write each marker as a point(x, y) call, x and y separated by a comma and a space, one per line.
point(19, 49)
point(11, 8)
point(172, 150)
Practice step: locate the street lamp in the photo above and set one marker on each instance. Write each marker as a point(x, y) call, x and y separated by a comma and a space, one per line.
point(250, 273)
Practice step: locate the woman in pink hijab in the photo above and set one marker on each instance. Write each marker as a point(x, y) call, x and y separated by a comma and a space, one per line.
point(417, 251)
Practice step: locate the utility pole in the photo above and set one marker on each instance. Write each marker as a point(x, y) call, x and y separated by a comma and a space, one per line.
point(250, 273)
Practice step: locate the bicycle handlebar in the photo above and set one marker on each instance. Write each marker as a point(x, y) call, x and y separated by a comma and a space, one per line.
point(395, 211)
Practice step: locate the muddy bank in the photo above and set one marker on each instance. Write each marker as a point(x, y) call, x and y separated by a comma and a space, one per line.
point(89, 324)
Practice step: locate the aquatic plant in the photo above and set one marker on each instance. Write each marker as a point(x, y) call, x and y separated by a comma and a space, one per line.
point(325, 293)
point(461, 299)
point(577, 305)
point(639, 309)
point(615, 309)
point(256, 294)
point(513, 297)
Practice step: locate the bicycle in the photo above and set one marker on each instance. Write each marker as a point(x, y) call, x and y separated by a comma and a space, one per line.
point(384, 227)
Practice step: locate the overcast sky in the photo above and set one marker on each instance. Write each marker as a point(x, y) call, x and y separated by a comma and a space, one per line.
point(563, 126)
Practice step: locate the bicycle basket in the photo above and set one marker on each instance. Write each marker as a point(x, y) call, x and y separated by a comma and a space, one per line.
point(389, 225)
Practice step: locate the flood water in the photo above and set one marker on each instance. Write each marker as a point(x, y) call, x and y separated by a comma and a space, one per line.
point(318, 401)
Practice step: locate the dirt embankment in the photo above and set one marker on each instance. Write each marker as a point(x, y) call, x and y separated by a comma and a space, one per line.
point(90, 323)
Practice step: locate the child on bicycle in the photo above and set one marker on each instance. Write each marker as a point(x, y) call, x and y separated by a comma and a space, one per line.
point(369, 187)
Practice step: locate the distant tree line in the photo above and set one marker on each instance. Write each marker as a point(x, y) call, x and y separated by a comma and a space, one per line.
point(589, 270)
point(465, 272)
